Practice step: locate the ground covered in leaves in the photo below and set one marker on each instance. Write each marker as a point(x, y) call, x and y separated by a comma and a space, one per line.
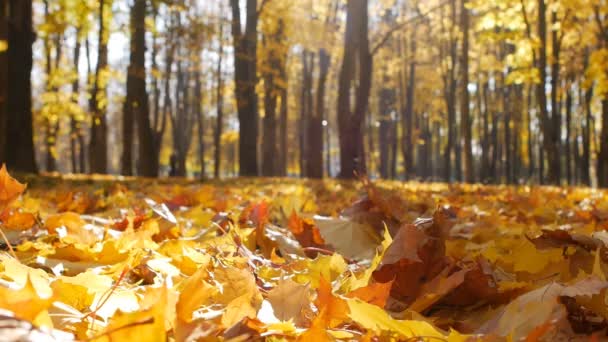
point(279, 259)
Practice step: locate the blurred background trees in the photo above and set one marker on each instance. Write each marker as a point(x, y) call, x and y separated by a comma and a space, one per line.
point(503, 91)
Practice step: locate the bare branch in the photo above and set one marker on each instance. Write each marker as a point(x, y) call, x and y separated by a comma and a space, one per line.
point(399, 26)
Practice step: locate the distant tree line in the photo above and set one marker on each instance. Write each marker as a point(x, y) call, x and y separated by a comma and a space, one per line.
point(508, 91)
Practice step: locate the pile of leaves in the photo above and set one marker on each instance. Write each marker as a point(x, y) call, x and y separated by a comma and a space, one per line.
point(278, 259)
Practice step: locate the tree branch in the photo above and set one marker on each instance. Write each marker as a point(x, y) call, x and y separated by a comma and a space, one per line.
point(397, 27)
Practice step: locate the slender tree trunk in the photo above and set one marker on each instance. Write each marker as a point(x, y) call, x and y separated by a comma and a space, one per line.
point(555, 102)
point(306, 109)
point(357, 60)
point(469, 175)
point(4, 35)
point(269, 142)
point(245, 73)
point(315, 124)
point(219, 123)
point(602, 167)
point(531, 163)
point(568, 144)
point(283, 124)
point(197, 100)
point(75, 146)
point(19, 131)
point(98, 152)
point(550, 143)
point(408, 115)
point(384, 105)
point(587, 129)
point(450, 97)
point(136, 107)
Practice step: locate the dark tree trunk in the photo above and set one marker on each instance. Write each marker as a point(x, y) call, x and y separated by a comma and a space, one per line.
point(19, 130)
point(465, 117)
point(283, 125)
point(531, 162)
point(219, 123)
point(272, 88)
point(159, 122)
point(75, 130)
point(357, 60)
point(555, 102)
point(167, 100)
point(4, 35)
point(602, 162)
point(306, 101)
point(315, 124)
point(197, 101)
point(568, 144)
point(550, 141)
point(98, 152)
point(246, 79)
point(384, 104)
point(450, 98)
point(136, 107)
point(269, 142)
point(587, 129)
point(407, 146)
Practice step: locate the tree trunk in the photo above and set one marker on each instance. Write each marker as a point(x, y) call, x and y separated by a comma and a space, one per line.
point(245, 78)
point(385, 127)
point(136, 106)
point(568, 144)
point(219, 123)
point(602, 167)
point(75, 133)
point(408, 114)
point(305, 108)
point(283, 125)
point(197, 101)
point(4, 17)
point(357, 60)
point(450, 98)
point(98, 152)
point(465, 116)
point(531, 163)
point(550, 141)
point(269, 142)
point(315, 124)
point(587, 129)
point(555, 102)
point(19, 131)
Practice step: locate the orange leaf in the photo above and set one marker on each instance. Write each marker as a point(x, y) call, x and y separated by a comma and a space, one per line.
point(17, 220)
point(333, 309)
point(10, 188)
point(376, 293)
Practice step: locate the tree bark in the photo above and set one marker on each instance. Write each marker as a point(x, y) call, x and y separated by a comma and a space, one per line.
point(315, 124)
point(4, 17)
point(550, 143)
point(469, 175)
point(98, 152)
point(136, 107)
point(408, 115)
point(75, 130)
point(357, 60)
point(269, 142)
point(246, 79)
point(602, 167)
point(219, 123)
point(306, 109)
point(568, 144)
point(19, 131)
point(283, 124)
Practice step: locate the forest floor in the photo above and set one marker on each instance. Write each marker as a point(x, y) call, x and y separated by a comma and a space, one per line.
point(105, 259)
